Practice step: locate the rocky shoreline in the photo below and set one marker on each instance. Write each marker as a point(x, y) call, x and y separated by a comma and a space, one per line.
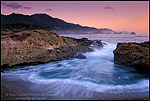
point(32, 47)
point(29, 47)
point(133, 54)
point(39, 46)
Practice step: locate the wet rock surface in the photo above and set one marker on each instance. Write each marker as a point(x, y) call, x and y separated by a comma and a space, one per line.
point(40, 46)
point(133, 54)
point(81, 56)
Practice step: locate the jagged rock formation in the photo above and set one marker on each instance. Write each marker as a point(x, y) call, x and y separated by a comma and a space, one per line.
point(133, 54)
point(40, 46)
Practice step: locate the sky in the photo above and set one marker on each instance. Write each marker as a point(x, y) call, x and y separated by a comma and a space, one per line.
point(116, 15)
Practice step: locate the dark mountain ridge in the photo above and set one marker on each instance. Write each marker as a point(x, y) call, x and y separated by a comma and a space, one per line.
point(47, 22)
point(40, 20)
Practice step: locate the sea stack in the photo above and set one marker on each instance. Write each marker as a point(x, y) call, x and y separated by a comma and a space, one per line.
point(132, 33)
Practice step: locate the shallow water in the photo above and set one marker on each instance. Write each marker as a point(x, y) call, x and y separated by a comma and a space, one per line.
point(81, 78)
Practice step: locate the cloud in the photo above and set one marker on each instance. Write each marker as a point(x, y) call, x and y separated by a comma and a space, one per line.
point(14, 5)
point(27, 7)
point(108, 7)
point(49, 9)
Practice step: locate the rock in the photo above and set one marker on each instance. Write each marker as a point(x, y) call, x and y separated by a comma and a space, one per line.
point(117, 33)
point(81, 56)
point(132, 33)
point(39, 46)
point(96, 44)
point(133, 54)
point(84, 39)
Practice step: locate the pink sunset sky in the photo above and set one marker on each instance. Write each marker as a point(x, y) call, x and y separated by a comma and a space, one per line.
point(116, 15)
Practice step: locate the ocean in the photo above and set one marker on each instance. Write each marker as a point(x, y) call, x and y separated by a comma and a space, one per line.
point(96, 77)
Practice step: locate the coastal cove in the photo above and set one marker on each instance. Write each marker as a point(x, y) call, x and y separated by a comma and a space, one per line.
point(75, 50)
point(97, 77)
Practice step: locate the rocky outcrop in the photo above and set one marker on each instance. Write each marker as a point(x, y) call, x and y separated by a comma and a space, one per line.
point(133, 54)
point(133, 33)
point(40, 46)
point(81, 56)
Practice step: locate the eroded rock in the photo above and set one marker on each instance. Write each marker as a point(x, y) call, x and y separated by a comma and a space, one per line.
point(133, 54)
point(40, 46)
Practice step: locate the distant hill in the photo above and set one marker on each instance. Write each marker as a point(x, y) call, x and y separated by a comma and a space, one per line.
point(39, 20)
point(44, 21)
point(18, 18)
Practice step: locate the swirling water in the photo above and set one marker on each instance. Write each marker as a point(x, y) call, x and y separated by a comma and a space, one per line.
point(80, 78)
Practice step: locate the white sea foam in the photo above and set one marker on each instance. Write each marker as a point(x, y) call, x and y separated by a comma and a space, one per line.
point(105, 52)
point(80, 89)
point(96, 87)
point(77, 89)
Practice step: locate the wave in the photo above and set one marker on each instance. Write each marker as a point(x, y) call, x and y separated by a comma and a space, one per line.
point(142, 85)
point(74, 89)
point(78, 89)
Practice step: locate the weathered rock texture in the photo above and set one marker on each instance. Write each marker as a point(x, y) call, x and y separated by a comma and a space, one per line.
point(133, 54)
point(40, 46)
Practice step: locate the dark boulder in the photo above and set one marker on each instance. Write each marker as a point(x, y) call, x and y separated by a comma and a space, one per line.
point(84, 39)
point(81, 56)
